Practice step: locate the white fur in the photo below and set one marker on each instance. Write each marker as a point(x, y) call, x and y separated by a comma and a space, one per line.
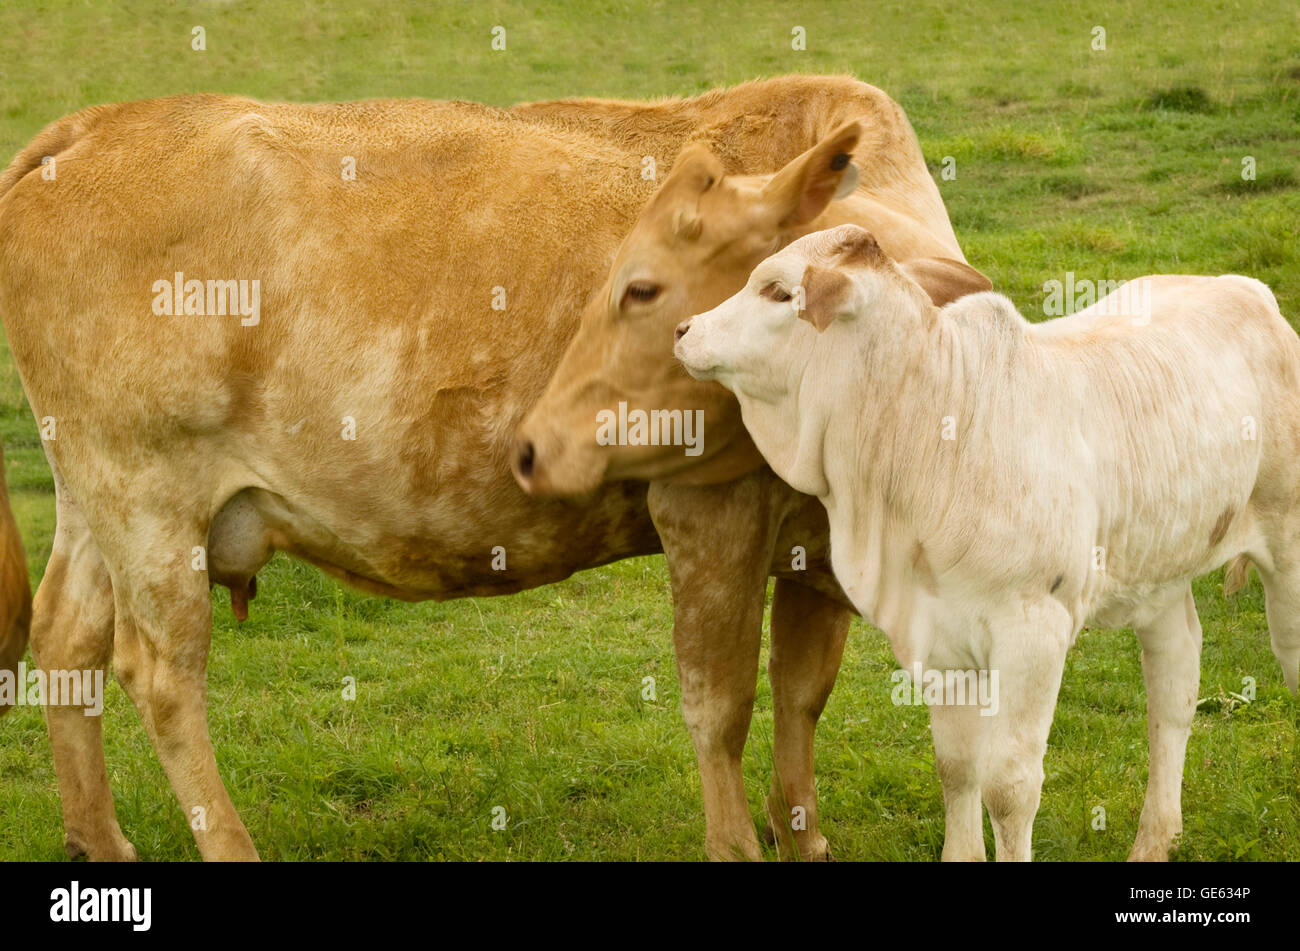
point(1120, 433)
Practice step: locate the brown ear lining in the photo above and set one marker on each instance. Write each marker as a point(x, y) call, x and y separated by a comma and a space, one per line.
point(859, 247)
point(805, 186)
point(825, 294)
point(944, 279)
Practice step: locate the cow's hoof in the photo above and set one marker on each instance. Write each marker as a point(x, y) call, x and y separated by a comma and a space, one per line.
point(119, 850)
point(811, 849)
point(735, 852)
point(815, 849)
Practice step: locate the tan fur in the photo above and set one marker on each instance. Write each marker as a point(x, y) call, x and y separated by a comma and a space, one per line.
point(613, 358)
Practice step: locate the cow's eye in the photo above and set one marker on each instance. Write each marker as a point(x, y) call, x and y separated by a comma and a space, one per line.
point(780, 295)
point(641, 291)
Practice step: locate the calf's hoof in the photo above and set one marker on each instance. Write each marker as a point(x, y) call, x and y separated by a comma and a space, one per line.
point(1152, 848)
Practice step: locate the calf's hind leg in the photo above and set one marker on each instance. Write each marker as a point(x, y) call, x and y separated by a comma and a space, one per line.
point(1282, 608)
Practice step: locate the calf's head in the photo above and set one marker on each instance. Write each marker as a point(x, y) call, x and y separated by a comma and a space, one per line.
point(619, 406)
point(811, 321)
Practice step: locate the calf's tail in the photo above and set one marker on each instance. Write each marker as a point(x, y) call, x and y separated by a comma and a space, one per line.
point(1284, 631)
point(1235, 575)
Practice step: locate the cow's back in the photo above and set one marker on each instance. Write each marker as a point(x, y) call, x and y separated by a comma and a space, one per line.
point(378, 385)
point(762, 125)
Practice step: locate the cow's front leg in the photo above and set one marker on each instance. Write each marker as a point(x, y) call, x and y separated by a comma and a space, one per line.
point(718, 542)
point(808, 632)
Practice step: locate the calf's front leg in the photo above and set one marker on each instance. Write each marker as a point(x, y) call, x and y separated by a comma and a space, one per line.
point(1028, 656)
point(958, 733)
point(1171, 667)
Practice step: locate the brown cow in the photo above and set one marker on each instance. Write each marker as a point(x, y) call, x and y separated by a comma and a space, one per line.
point(15, 594)
point(357, 407)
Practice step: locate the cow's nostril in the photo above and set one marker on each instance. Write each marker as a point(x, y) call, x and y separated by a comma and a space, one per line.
point(527, 455)
point(684, 326)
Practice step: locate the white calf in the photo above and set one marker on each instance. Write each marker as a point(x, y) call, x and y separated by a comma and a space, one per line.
point(992, 485)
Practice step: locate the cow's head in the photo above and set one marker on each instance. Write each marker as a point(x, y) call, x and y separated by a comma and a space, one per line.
point(693, 246)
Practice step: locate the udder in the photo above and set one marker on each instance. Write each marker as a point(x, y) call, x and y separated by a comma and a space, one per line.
point(239, 544)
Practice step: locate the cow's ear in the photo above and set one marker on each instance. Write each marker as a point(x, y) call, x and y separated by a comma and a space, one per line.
point(801, 191)
point(827, 293)
point(945, 279)
point(696, 169)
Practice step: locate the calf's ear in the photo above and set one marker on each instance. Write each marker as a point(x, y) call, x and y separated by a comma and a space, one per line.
point(945, 279)
point(827, 293)
point(801, 191)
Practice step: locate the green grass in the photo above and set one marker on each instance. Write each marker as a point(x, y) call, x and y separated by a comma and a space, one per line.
point(1110, 164)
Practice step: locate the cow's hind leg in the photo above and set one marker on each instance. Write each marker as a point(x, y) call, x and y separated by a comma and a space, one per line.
point(72, 630)
point(163, 630)
point(1171, 666)
point(808, 632)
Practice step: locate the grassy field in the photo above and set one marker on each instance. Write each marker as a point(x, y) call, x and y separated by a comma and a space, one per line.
point(1109, 163)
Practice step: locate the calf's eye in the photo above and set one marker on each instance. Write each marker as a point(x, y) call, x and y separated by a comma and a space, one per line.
point(780, 295)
